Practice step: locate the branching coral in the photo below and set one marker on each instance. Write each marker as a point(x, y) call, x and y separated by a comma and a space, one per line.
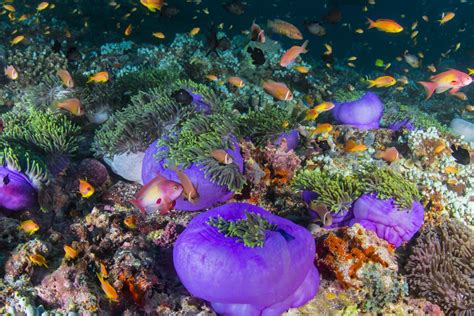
point(337, 192)
point(440, 266)
point(42, 130)
point(138, 125)
point(389, 184)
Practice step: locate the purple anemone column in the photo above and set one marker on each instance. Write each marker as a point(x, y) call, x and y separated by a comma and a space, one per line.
point(16, 190)
point(242, 280)
point(364, 113)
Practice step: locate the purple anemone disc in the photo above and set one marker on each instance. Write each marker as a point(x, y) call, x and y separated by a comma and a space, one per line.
point(383, 217)
point(16, 190)
point(292, 138)
point(339, 219)
point(210, 193)
point(240, 280)
point(363, 113)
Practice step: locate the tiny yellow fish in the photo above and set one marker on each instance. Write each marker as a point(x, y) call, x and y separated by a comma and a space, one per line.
point(108, 289)
point(322, 128)
point(439, 149)
point(414, 25)
point(328, 49)
point(159, 35)
point(86, 189)
point(103, 270)
point(382, 82)
point(130, 221)
point(43, 5)
point(446, 17)
point(470, 71)
point(451, 169)
point(38, 260)
point(425, 18)
point(351, 65)
point(70, 253)
point(212, 77)
point(17, 39)
point(458, 45)
point(194, 31)
point(352, 147)
point(9, 7)
point(469, 108)
point(285, 123)
point(29, 226)
point(352, 58)
point(301, 69)
point(359, 31)
point(414, 34)
point(102, 76)
point(128, 30)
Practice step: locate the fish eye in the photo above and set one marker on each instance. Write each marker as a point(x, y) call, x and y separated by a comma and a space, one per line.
point(176, 188)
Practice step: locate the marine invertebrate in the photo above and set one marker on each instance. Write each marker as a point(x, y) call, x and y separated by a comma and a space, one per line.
point(364, 113)
point(44, 131)
point(279, 271)
point(463, 128)
point(337, 192)
point(439, 267)
point(22, 174)
point(393, 223)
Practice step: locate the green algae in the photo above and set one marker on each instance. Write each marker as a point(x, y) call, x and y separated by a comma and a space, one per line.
point(249, 230)
point(345, 95)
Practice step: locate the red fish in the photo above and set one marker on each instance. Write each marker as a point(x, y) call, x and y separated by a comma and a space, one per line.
point(451, 80)
point(291, 54)
point(158, 195)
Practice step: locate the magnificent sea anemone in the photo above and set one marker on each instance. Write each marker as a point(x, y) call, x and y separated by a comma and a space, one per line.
point(246, 261)
point(364, 113)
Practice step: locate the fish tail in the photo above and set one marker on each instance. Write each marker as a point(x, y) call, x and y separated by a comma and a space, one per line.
point(430, 87)
point(371, 23)
point(372, 83)
point(303, 47)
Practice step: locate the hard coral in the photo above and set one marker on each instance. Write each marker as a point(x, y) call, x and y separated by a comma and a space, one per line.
point(279, 271)
point(439, 267)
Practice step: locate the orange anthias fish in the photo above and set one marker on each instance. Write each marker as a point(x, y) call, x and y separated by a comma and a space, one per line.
point(70, 253)
point(11, 72)
point(158, 195)
point(103, 270)
point(382, 82)
point(102, 76)
point(313, 113)
point(278, 90)
point(42, 6)
point(130, 221)
point(257, 34)
point(236, 82)
point(385, 25)
point(108, 289)
point(322, 128)
point(291, 54)
point(74, 106)
point(390, 154)
point(451, 80)
point(29, 227)
point(152, 5)
point(128, 30)
point(446, 17)
point(38, 260)
point(66, 78)
point(352, 147)
point(17, 39)
point(221, 156)
point(86, 189)
point(159, 35)
point(285, 28)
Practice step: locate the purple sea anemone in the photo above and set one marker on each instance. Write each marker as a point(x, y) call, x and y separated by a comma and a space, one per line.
point(386, 219)
point(402, 124)
point(292, 138)
point(246, 261)
point(364, 113)
point(201, 105)
point(16, 190)
point(209, 192)
point(339, 219)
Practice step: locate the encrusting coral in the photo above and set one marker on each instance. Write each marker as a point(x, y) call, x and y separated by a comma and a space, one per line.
point(439, 267)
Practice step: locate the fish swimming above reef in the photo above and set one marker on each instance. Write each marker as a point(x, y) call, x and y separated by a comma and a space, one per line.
point(284, 28)
point(382, 82)
point(257, 34)
point(258, 58)
point(451, 80)
point(385, 25)
point(158, 195)
point(290, 55)
point(315, 28)
point(152, 5)
point(278, 90)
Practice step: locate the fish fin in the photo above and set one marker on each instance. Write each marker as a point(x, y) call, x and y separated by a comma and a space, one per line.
point(430, 87)
point(453, 90)
point(304, 47)
point(371, 83)
point(371, 23)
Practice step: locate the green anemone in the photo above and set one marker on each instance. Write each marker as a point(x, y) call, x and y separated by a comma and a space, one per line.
point(345, 95)
point(135, 127)
point(19, 158)
point(249, 230)
point(45, 131)
point(389, 184)
point(193, 142)
point(337, 192)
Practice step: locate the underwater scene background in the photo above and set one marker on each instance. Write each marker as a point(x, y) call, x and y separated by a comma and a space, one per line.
point(198, 157)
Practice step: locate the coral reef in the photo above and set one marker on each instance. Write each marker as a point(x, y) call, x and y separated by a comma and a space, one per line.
point(364, 112)
point(439, 266)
